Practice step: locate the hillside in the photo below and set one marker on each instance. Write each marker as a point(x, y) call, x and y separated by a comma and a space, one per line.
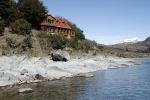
point(142, 46)
point(147, 42)
point(40, 43)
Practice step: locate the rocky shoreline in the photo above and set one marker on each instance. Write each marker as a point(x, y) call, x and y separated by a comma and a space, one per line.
point(24, 69)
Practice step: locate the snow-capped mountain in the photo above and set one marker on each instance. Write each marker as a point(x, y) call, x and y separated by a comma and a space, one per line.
point(134, 45)
point(132, 40)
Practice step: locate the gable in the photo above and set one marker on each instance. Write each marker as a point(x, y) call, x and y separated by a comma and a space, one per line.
point(55, 22)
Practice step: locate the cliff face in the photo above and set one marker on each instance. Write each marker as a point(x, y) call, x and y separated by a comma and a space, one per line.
point(142, 46)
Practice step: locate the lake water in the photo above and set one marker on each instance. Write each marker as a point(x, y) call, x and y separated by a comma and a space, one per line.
point(131, 83)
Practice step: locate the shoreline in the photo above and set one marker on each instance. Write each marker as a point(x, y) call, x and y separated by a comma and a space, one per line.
point(22, 69)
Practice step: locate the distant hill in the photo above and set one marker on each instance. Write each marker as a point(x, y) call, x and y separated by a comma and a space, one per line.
point(147, 42)
point(141, 46)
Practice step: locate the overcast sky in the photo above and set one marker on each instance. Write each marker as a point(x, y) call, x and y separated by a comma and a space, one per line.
point(106, 21)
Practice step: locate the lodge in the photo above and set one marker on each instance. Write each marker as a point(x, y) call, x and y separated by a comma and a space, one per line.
point(55, 25)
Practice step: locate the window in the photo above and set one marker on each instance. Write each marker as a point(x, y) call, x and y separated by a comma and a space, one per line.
point(49, 29)
point(50, 21)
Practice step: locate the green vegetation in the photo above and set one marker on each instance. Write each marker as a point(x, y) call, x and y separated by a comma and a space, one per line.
point(49, 41)
point(5, 9)
point(81, 44)
point(20, 17)
point(21, 27)
point(16, 44)
point(9, 11)
point(78, 32)
point(57, 41)
point(31, 10)
point(52, 41)
point(2, 27)
point(27, 43)
point(11, 43)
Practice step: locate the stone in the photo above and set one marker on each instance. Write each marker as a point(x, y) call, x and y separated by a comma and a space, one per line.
point(25, 90)
point(87, 75)
point(24, 71)
point(39, 77)
point(60, 55)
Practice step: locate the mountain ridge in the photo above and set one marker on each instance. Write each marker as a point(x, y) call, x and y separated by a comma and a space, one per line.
point(141, 46)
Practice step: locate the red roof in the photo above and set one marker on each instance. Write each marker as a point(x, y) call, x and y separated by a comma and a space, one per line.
point(57, 22)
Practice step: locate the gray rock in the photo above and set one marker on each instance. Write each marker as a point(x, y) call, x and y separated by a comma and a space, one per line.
point(24, 71)
point(39, 77)
point(85, 75)
point(25, 90)
point(60, 55)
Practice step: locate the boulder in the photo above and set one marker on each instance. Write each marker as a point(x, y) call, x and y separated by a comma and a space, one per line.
point(25, 90)
point(60, 55)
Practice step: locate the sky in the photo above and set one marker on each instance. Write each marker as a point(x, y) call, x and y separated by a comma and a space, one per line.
point(106, 21)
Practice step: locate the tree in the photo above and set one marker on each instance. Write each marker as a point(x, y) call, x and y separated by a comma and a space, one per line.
point(9, 11)
point(4, 9)
point(2, 27)
point(33, 11)
point(21, 27)
point(14, 12)
point(78, 32)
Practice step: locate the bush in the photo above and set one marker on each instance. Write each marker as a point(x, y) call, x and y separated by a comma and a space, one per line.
point(17, 45)
point(27, 43)
point(42, 35)
point(81, 44)
point(54, 41)
point(21, 27)
point(2, 27)
point(11, 42)
point(57, 41)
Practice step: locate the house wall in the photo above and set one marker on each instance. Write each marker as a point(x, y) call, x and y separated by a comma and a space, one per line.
point(66, 32)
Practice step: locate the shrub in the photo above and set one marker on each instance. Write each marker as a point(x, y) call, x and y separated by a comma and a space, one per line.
point(27, 43)
point(101, 47)
point(42, 35)
point(57, 41)
point(81, 44)
point(54, 41)
point(11, 42)
point(21, 27)
point(72, 43)
point(2, 27)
